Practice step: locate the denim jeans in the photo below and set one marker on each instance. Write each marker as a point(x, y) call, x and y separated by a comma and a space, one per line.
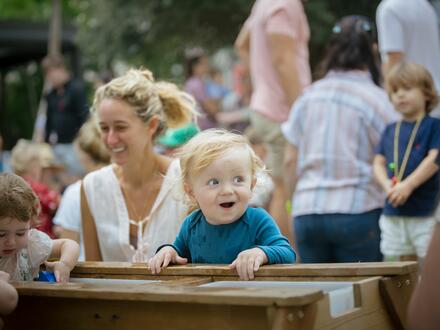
point(326, 238)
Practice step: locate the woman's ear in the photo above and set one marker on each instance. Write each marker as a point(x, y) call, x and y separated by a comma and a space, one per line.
point(153, 125)
point(254, 182)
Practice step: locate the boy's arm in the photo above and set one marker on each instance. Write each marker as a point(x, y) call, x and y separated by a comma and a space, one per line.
point(400, 192)
point(427, 168)
point(380, 172)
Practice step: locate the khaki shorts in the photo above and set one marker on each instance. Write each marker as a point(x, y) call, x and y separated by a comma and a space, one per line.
point(270, 134)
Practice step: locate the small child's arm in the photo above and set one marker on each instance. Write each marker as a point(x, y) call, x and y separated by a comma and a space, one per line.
point(163, 258)
point(248, 262)
point(68, 252)
point(400, 192)
point(380, 172)
point(8, 295)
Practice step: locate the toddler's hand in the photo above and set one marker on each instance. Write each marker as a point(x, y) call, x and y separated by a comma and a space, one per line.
point(60, 270)
point(399, 193)
point(4, 276)
point(163, 258)
point(248, 262)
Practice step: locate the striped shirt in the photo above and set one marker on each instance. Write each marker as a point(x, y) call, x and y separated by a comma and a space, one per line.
point(336, 125)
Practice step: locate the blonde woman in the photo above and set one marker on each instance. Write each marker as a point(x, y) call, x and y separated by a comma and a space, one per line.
point(133, 206)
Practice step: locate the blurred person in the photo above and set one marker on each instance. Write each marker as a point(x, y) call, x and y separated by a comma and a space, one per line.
point(67, 110)
point(26, 161)
point(404, 165)
point(423, 310)
point(408, 31)
point(274, 43)
point(1, 153)
point(197, 69)
point(173, 138)
point(93, 155)
point(133, 206)
point(8, 296)
point(332, 131)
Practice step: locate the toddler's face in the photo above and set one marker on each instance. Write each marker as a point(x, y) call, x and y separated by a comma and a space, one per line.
point(223, 189)
point(409, 101)
point(13, 236)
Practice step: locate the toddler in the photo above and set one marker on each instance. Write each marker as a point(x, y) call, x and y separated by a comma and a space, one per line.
point(405, 164)
point(22, 249)
point(219, 172)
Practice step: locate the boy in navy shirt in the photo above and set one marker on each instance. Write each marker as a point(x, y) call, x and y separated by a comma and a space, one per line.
point(405, 164)
point(219, 172)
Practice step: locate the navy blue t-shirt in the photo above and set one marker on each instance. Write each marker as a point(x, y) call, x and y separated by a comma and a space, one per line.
point(423, 200)
point(201, 242)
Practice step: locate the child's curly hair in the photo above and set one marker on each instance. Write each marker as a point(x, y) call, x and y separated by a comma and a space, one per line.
point(17, 199)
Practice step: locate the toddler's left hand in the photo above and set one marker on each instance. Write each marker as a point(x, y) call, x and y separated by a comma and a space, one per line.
point(60, 270)
point(248, 262)
point(399, 193)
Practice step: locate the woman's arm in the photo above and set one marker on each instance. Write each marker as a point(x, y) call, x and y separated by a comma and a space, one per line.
point(69, 234)
point(90, 235)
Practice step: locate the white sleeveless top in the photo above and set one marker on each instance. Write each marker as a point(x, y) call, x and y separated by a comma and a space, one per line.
point(25, 264)
point(107, 206)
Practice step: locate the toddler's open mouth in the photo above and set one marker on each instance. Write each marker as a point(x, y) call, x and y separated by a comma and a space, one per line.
point(227, 205)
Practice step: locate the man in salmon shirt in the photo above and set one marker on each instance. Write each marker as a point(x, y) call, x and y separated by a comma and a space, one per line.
point(274, 43)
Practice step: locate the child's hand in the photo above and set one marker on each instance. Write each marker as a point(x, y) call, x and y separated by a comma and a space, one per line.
point(163, 258)
point(60, 270)
point(4, 276)
point(399, 193)
point(248, 262)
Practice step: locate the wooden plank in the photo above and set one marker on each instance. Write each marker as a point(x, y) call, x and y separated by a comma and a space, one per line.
point(82, 314)
point(154, 293)
point(322, 270)
point(369, 313)
point(396, 292)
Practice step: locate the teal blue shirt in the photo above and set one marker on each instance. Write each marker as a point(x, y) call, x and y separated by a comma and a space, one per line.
point(202, 242)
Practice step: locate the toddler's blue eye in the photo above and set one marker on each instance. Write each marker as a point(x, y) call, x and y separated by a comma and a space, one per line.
point(238, 179)
point(212, 182)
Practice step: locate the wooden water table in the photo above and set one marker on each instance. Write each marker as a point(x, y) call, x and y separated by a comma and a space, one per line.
point(104, 295)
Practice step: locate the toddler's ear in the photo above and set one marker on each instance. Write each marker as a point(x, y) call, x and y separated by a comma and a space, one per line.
point(188, 189)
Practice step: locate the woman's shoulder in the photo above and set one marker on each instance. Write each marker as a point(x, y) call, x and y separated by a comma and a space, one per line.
point(100, 177)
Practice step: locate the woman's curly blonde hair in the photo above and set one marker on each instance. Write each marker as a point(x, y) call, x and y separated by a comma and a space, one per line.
point(149, 98)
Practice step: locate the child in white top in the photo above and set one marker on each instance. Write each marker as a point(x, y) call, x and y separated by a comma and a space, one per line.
point(22, 249)
point(219, 173)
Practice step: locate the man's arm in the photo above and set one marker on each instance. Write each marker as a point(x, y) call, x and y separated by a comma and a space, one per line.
point(391, 59)
point(282, 52)
point(242, 45)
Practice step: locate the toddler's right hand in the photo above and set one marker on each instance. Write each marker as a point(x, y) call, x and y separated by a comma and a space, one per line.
point(4, 276)
point(163, 258)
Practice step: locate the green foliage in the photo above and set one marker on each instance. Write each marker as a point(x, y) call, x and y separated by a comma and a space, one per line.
point(150, 33)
